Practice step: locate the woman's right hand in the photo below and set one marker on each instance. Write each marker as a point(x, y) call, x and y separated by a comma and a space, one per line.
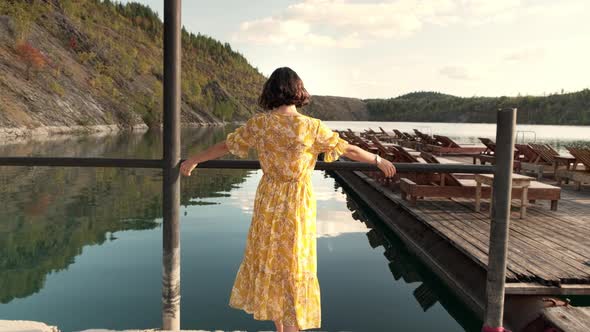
point(187, 166)
point(387, 168)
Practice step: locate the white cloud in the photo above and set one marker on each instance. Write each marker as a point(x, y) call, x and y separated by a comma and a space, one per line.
point(351, 23)
point(458, 73)
point(525, 55)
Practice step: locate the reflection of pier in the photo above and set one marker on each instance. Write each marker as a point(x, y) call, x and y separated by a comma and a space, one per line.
point(405, 266)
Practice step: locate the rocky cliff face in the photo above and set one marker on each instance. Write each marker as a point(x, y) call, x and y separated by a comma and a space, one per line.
point(100, 68)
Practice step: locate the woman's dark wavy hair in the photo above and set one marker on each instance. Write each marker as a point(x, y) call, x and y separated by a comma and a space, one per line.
point(283, 87)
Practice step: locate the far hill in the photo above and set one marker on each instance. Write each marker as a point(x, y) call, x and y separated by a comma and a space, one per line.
point(561, 109)
point(426, 106)
point(337, 108)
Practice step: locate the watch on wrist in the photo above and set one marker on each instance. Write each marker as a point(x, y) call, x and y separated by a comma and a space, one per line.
point(377, 159)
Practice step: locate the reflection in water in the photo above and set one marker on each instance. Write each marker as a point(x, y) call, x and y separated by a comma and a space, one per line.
point(48, 214)
point(404, 266)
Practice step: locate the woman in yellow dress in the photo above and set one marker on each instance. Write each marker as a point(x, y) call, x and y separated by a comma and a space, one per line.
point(277, 278)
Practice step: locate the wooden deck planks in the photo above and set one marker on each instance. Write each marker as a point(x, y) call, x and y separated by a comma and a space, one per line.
point(551, 248)
point(531, 238)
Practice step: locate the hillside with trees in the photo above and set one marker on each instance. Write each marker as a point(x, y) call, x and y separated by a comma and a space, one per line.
point(560, 109)
point(91, 63)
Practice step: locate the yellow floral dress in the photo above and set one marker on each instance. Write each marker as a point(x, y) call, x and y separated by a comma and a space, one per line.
point(277, 279)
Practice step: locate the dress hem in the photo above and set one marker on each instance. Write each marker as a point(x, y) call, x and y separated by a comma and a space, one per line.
point(260, 317)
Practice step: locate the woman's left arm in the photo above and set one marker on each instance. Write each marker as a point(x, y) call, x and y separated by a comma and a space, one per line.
point(213, 152)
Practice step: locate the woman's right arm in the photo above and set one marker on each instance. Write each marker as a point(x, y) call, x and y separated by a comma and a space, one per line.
point(213, 152)
point(355, 153)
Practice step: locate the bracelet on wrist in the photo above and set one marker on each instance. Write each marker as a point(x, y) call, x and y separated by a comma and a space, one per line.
point(377, 159)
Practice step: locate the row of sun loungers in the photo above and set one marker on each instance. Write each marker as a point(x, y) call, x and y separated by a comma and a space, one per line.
point(540, 159)
point(533, 158)
point(436, 144)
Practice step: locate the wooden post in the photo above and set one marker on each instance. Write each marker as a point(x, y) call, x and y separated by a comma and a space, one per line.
point(502, 190)
point(171, 163)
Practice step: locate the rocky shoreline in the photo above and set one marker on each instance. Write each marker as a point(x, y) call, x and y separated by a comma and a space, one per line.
point(32, 326)
point(15, 134)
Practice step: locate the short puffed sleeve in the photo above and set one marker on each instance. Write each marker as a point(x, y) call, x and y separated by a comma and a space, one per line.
point(243, 138)
point(329, 142)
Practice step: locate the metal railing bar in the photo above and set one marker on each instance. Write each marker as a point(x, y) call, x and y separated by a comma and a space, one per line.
point(236, 164)
point(81, 162)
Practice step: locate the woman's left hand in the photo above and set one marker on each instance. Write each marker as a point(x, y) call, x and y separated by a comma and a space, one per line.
point(187, 166)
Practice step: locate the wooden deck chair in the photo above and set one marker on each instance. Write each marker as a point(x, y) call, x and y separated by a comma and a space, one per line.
point(579, 177)
point(454, 187)
point(526, 153)
point(368, 132)
point(448, 146)
point(385, 152)
point(531, 160)
point(384, 132)
point(361, 143)
point(410, 137)
point(582, 155)
point(405, 156)
point(446, 141)
point(425, 138)
point(445, 178)
point(385, 136)
point(399, 134)
point(548, 158)
point(345, 136)
point(488, 155)
point(490, 145)
point(545, 152)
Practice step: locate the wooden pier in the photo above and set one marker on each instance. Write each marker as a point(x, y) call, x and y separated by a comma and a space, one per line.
point(548, 252)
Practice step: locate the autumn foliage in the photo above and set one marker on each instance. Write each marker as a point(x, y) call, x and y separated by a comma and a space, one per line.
point(31, 57)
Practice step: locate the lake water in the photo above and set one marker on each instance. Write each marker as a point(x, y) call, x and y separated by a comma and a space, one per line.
point(81, 247)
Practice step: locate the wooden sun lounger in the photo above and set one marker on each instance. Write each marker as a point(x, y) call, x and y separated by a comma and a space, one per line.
point(466, 188)
point(488, 155)
point(425, 138)
point(384, 136)
point(390, 137)
point(581, 155)
point(490, 145)
point(411, 141)
point(546, 158)
point(531, 160)
point(399, 134)
point(361, 143)
point(394, 153)
point(446, 141)
point(451, 186)
point(448, 146)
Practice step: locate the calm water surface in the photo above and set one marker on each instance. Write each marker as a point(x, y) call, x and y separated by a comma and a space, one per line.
point(81, 247)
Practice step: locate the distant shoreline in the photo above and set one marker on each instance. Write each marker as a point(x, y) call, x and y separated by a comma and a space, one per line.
point(49, 132)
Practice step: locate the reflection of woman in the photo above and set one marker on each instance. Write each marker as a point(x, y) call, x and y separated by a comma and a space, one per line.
point(277, 278)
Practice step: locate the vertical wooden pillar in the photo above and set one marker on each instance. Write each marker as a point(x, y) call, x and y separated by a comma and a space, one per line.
point(171, 159)
point(502, 190)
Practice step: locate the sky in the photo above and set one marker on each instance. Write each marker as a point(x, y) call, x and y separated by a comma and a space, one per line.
point(383, 49)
